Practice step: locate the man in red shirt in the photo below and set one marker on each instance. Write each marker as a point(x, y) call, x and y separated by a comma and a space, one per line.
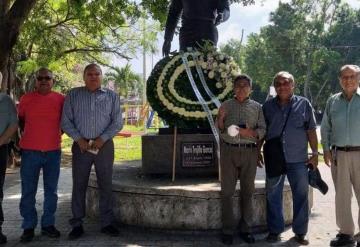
point(39, 115)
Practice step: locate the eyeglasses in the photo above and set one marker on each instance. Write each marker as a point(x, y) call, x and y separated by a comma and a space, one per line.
point(40, 78)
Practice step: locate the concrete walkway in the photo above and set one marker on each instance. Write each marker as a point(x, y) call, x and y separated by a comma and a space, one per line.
point(321, 229)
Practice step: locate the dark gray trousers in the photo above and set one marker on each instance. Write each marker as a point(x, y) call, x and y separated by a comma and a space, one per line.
point(81, 168)
point(237, 163)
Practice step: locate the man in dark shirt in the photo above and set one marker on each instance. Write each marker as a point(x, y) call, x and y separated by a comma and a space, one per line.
point(300, 129)
point(198, 22)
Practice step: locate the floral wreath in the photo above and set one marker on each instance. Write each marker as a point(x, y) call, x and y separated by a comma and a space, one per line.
point(170, 94)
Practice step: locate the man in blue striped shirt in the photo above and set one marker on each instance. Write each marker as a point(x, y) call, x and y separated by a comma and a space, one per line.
point(92, 117)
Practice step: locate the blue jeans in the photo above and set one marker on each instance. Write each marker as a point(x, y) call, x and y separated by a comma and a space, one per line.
point(31, 164)
point(297, 174)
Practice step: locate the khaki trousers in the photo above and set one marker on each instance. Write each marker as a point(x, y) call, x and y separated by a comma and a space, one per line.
point(346, 175)
point(237, 163)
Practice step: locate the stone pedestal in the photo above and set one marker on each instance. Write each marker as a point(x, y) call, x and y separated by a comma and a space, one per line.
point(187, 204)
point(157, 154)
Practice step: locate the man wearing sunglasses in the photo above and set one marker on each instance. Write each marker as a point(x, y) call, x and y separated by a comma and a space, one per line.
point(39, 116)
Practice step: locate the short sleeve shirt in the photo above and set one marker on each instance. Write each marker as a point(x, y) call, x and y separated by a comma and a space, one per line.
point(301, 119)
point(42, 116)
point(7, 112)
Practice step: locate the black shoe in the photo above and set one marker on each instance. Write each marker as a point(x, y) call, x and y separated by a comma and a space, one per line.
point(3, 238)
point(27, 235)
point(227, 239)
point(50, 231)
point(301, 239)
point(342, 239)
point(76, 232)
point(247, 237)
point(110, 230)
point(273, 237)
point(358, 244)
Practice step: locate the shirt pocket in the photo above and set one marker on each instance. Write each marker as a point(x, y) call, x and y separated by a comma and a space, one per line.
point(104, 105)
point(297, 120)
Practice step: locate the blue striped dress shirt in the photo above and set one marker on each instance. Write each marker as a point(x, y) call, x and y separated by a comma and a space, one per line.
point(90, 115)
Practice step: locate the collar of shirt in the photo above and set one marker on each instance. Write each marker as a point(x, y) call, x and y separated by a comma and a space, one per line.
point(357, 92)
point(100, 89)
point(291, 101)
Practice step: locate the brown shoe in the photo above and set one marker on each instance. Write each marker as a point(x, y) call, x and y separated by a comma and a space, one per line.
point(301, 239)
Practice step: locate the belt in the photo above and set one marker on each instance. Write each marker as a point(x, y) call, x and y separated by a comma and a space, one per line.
point(242, 145)
point(347, 148)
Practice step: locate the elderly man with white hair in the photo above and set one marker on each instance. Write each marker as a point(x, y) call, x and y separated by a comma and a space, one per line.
point(8, 126)
point(340, 138)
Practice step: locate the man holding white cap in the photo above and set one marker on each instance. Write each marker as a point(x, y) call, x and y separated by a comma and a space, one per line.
point(241, 123)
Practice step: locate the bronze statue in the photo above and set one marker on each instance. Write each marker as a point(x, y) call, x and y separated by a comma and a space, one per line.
point(199, 19)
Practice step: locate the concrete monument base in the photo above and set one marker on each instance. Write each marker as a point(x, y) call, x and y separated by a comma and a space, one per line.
point(186, 204)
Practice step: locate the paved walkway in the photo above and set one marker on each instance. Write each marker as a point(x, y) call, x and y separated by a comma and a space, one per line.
point(321, 229)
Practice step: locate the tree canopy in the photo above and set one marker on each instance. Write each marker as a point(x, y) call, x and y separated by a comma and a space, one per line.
point(311, 39)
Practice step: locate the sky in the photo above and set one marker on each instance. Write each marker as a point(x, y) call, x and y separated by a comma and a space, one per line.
point(249, 18)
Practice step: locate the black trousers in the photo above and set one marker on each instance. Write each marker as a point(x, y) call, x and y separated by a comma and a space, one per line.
point(3, 164)
point(81, 168)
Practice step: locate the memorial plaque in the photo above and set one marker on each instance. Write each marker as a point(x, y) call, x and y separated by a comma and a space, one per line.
point(197, 154)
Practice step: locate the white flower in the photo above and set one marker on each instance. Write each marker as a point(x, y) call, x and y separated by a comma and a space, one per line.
point(223, 75)
point(218, 85)
point(221, 57)
point(204, 65)
point(211, 74)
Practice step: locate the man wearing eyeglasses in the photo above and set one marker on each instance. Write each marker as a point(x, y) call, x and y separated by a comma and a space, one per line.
point(8, 126)
point(340, 138)
point(239, 157)
point(290, 117)
point(40, 115)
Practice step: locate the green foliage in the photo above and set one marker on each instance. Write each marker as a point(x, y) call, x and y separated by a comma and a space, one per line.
point(125, 80)
point(310, 39)
point(61, 34)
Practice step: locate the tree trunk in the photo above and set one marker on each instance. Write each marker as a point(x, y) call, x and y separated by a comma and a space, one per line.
point(11, 20)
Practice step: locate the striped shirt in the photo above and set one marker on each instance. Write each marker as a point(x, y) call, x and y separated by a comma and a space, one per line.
point(248, 113)
point(91, 114)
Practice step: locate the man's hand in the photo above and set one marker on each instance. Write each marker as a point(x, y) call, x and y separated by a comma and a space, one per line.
point(220, 118)
point(219, 19)
point(314, 160)
point(328, 158)
point(166, 48)
point(83, 144)
point(260, 160)
point(247, 132)
point(98, 143)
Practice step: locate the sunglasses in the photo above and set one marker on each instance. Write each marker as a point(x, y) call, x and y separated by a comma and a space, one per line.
point(40, 78)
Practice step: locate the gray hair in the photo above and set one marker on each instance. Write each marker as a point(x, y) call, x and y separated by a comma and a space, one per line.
point(352, 67)
point(90, 66)
point(243, 77)
point(284, 74)
point(43, 69)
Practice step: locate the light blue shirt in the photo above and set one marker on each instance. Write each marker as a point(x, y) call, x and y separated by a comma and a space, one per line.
point(8, 115)
point(91, 114)
point(301, 119)
point(340, 125)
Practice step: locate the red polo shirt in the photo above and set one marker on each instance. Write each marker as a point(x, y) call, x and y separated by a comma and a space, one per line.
point(42, 116)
